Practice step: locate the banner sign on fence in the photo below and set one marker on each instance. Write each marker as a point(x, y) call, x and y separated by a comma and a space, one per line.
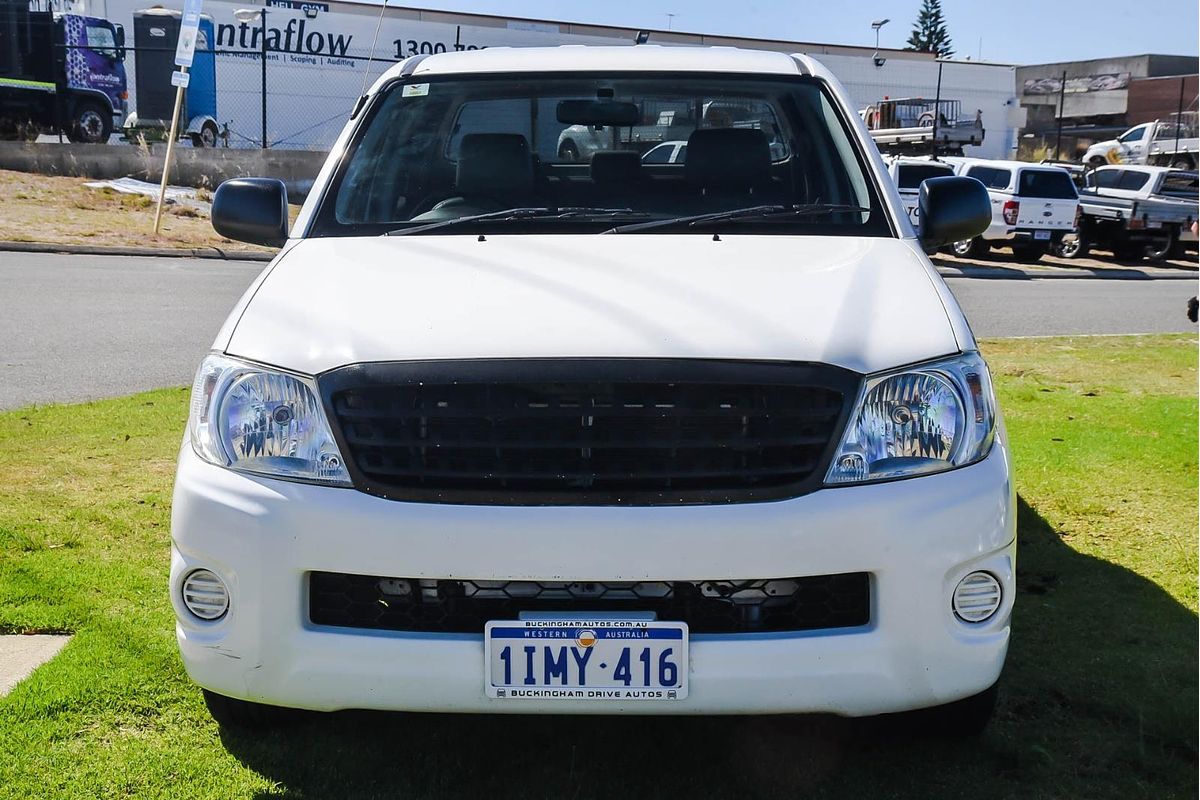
point(189, 27)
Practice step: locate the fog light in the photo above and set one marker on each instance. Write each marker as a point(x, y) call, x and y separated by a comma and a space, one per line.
point(977, 597)
point(205, 595)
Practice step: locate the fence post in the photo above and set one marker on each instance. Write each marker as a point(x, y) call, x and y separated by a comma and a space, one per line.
point(263, 28)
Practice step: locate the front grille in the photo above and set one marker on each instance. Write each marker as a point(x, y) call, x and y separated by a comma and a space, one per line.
point(587, 431)
point(463, 606)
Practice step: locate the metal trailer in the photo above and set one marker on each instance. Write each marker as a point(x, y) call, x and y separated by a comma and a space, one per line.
point(919, 126)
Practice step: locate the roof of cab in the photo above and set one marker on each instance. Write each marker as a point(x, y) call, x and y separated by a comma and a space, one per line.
point(624, 58)
point(990, 162)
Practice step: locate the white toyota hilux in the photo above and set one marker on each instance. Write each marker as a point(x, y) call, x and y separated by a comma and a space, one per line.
point(500, 432)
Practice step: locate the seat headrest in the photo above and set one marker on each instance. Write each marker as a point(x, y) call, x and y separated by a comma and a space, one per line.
point(616, 166)
point(728, 158)
point(497, 164)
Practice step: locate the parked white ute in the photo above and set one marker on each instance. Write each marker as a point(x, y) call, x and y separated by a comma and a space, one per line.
point(1033, 207)
point(497, 432)
point(908, 173)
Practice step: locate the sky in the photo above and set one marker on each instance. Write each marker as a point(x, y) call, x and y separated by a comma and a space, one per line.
point(1006, 31)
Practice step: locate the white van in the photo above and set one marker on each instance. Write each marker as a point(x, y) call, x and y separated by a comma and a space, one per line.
point(500, 432)
point(1033, 207)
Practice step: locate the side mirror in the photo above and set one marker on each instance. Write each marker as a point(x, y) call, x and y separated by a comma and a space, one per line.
point(252, 210)
point(119, 35)
point(953, 208)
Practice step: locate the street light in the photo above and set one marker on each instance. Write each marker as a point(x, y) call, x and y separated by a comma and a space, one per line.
point(249, 15)
point(876, 25)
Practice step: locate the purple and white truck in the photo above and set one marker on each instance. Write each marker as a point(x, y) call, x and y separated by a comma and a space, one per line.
point(60, 72)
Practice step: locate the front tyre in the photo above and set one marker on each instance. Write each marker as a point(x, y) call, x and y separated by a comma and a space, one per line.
point(568, 151)
point(90, 124)
point(232, 713)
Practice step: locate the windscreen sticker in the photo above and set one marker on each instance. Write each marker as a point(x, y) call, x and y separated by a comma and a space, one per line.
point(415, 90)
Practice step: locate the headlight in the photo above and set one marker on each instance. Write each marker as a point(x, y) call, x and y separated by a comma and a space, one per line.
point(918, 421)
point(253, 419)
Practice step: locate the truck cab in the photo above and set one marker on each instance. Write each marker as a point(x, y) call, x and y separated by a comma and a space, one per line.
point(60, 72)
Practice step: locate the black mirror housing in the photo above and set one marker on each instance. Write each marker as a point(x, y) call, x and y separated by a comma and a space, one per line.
point(252, 210)
point(953, 208)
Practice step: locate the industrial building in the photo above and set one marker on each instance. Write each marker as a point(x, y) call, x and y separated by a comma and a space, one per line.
point(1102, 97)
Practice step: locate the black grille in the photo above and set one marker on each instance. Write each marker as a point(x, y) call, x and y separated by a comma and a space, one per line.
point(551, 431)
point(463, 606)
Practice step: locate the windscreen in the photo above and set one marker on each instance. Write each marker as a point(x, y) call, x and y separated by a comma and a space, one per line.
point(1049, 183)
point(555, 154)
point(911, 176)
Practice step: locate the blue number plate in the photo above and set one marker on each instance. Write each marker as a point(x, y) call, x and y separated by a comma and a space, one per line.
point(586, 659)
point(1041, 234)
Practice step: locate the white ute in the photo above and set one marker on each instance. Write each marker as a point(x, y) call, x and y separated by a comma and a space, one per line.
point(499, 432)
point(1033, 207)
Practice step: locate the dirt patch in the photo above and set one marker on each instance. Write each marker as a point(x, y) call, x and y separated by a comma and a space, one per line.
point(42, 208)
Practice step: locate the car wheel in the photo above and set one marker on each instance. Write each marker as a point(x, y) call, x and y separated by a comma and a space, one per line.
point(1161, 249)
point(1095, 162)
point(1072, 246)
point(971, 248)
point(207, 137)
point(91, 124)
point(568, 151)
point(232, 713)
point(1182, 162)
point(1028, 252)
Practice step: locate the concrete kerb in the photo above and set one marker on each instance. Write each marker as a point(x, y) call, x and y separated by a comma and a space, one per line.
point(151, 252)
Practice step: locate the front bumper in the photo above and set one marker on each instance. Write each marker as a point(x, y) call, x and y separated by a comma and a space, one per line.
point(916, 537)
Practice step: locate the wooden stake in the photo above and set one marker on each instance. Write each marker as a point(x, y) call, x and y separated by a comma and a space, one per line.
point(162, 189)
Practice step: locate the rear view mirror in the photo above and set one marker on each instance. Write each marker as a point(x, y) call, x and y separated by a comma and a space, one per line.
point(598, 112)
point(953, 208)
point(252, 210)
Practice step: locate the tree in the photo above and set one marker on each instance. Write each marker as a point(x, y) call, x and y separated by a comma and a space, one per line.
point(929, 33)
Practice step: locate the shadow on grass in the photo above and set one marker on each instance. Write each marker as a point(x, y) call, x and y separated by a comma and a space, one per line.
point(1098, 699)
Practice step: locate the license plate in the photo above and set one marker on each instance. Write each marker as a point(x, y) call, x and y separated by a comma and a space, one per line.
point(585, 659)
point(1153, 224)
point(1041, 234)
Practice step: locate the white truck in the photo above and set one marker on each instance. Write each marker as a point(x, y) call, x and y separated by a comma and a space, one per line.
point(1033, 207)
point(504, 434)
point(1167, 142)
point(1136, 212)
point(908, 173)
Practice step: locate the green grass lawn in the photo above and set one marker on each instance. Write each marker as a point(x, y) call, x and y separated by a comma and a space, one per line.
point(1099, 698)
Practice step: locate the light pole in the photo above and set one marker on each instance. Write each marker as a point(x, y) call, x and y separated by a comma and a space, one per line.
point(876, 25)
point(249, 15)
point(670, 19)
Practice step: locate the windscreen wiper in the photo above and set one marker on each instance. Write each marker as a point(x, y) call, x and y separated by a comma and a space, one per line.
point(517, 214)
point(773, 211)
